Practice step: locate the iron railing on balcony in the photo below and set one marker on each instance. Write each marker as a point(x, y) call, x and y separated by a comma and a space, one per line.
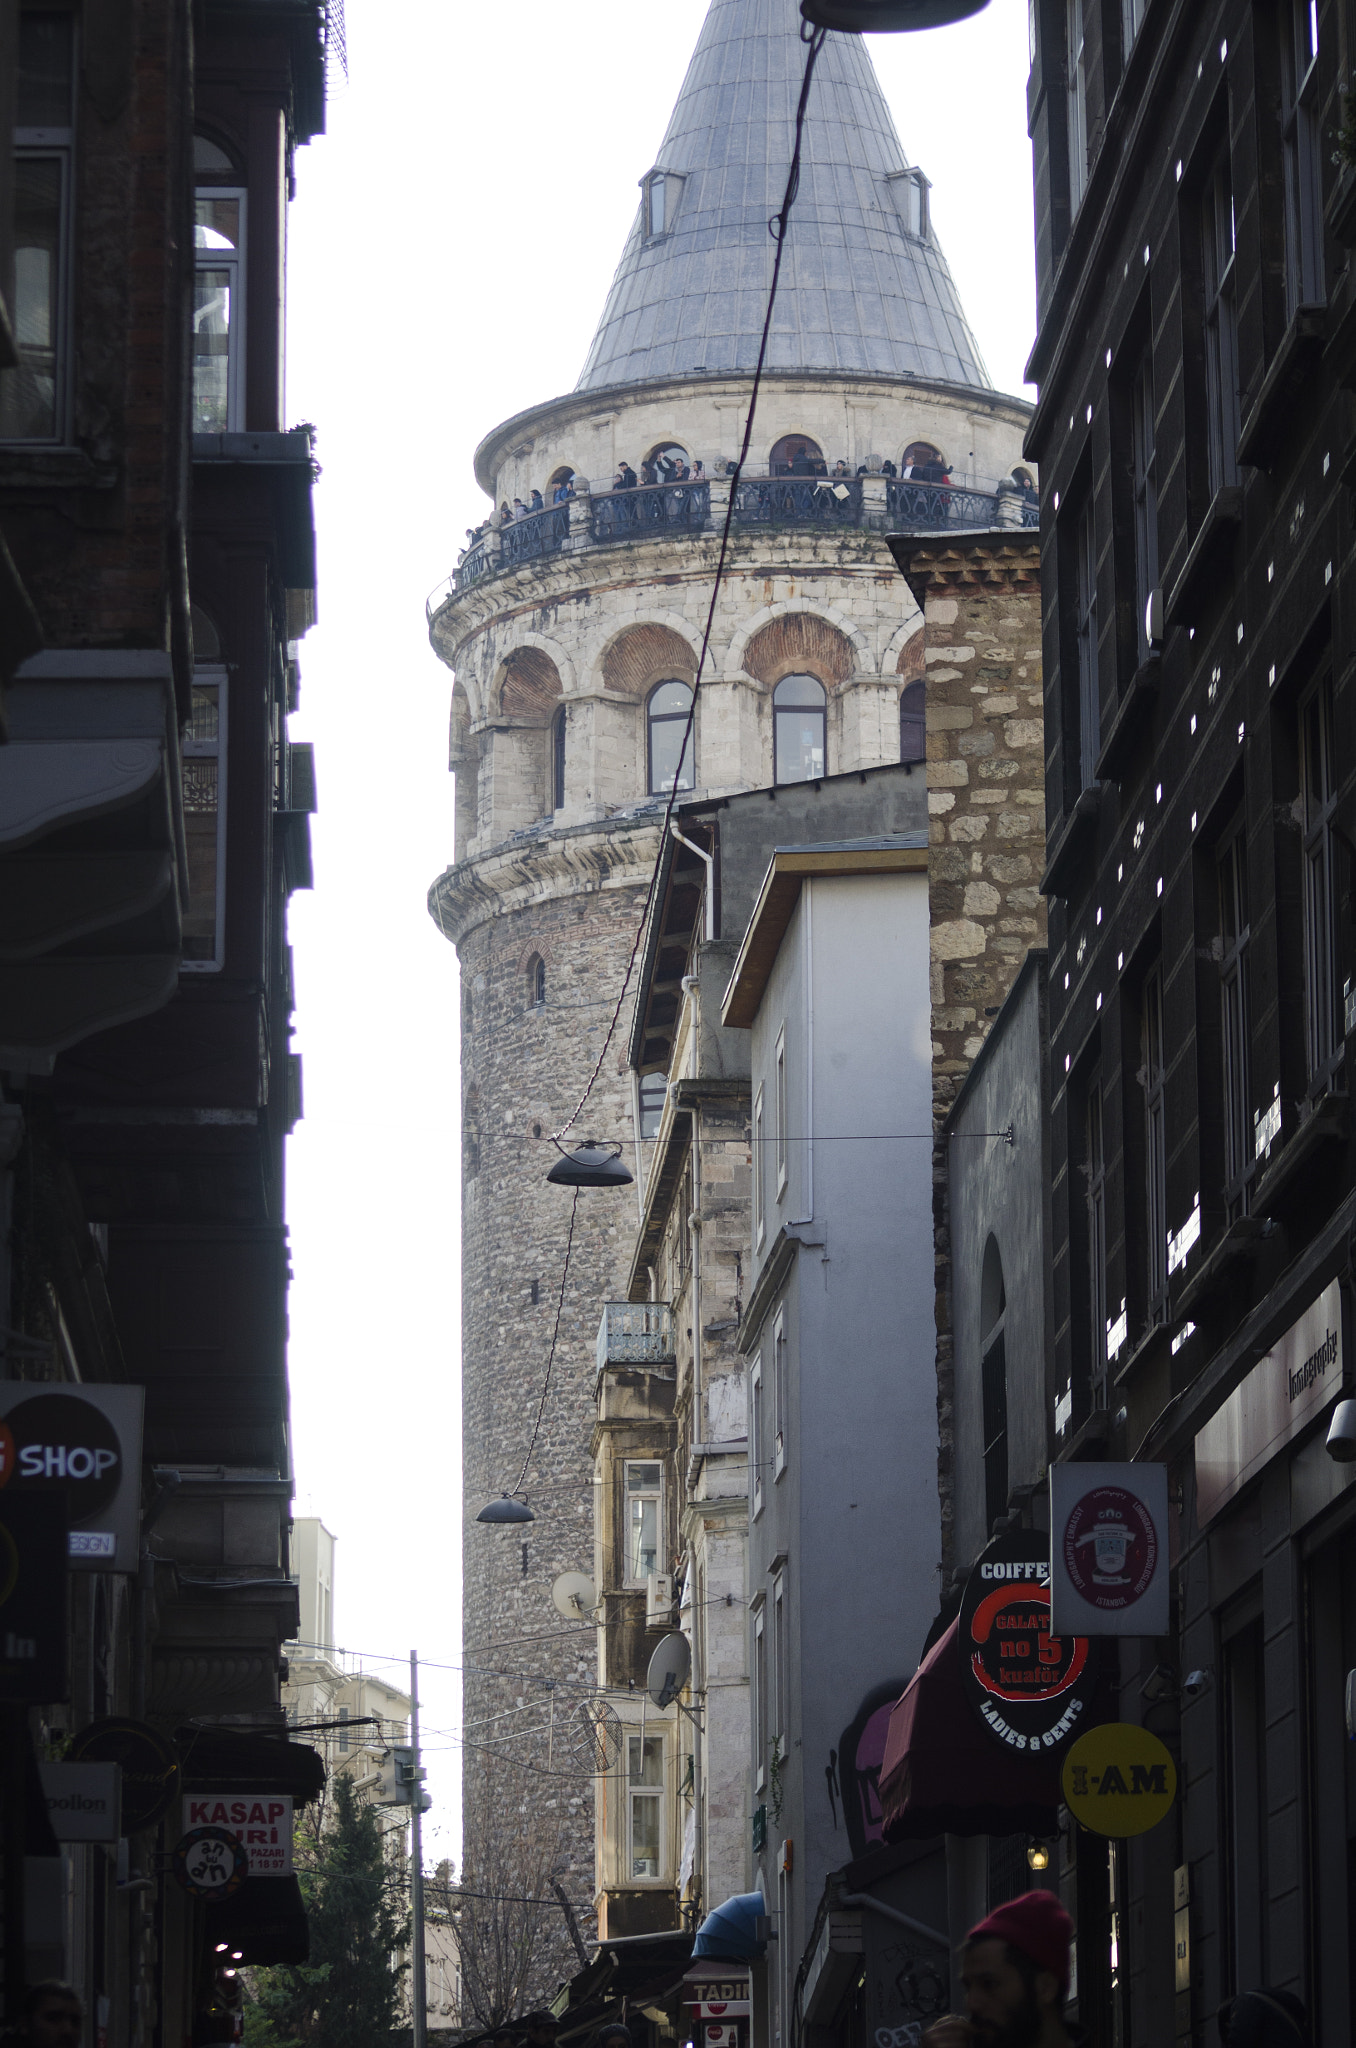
point(618, 515)
point(798, 501)
point(761, 500)
point(636, 1333)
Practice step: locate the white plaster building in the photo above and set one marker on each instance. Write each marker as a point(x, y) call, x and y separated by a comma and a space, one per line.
point(574, 635)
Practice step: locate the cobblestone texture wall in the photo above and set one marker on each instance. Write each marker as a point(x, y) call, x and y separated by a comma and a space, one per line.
point(986, 803)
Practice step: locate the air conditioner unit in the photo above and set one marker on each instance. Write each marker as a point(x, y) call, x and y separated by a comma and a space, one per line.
point(659, 1600)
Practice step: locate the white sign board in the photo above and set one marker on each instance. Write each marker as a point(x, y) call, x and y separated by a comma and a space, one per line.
point(84, 1801)
point(1282, 1394)
point(1108, 1550)
point(260, 1821)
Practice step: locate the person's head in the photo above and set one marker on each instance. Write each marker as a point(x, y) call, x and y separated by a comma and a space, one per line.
point(53, 2015)
point(613, 2036)
point(1015, 1969)
point(1264, 2019)
point(542, 2028)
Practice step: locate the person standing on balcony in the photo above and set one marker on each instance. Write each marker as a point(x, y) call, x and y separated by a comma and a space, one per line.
point(538, 502)
point(505, 513)
point(519, 509)
point(625, 479)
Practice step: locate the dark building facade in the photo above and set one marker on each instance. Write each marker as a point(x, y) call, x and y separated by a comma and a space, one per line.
point(158, 573)
point(1196, 360)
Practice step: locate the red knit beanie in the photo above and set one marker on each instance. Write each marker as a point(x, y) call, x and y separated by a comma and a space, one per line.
point(1036, 1924)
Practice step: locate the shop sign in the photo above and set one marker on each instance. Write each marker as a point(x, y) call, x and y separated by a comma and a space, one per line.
point(83, 1442)
point(1119, 1780)
point(210, 1863)
point(260, 1821)
point(148, 1763)
point(1031, 1689)
point(1282, 1394)
point(33, 1573)
point(84, 1802)
point(1109, 1549)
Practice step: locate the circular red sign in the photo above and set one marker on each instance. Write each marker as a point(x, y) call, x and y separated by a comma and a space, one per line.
point(1032, 1690)
point(1110, 1548)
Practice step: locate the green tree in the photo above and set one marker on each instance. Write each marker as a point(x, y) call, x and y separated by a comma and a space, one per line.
point(348, 1995)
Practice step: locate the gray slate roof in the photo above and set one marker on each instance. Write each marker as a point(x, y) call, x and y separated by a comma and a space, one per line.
point(857, 293)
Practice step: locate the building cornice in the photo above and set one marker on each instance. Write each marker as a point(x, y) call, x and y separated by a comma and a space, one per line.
point(501, 441)
point(940, 565)
point(614, 853)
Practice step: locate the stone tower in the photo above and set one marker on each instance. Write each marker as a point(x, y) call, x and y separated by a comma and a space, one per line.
point(573, 635)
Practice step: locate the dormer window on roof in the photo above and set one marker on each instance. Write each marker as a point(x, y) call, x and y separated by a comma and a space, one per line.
point(910, 189)
point(660, 192)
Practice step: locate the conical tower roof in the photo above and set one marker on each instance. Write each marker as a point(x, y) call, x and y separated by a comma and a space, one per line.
point(857, 292)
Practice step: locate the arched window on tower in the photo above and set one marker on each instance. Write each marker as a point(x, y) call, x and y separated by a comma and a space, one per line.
point(797, 455)
point(558, 760)
point(536, 983)
point(799, 721)
point(670, 765)
point(913, 722)
point(993, 1302)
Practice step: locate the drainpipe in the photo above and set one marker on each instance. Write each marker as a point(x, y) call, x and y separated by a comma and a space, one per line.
point(914, 1927)
point(709, 917)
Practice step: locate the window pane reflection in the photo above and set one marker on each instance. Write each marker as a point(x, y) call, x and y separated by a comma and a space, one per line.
point(28, 394)
point(211, 351)
point(798, 726)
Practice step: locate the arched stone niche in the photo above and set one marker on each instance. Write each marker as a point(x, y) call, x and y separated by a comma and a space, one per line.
point(805, 643)
point(526, 696)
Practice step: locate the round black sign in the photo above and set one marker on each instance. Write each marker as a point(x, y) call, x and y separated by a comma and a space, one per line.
point(150, 1766)
point(1032, 1690)
point(59, 1440)
point(210, 1863)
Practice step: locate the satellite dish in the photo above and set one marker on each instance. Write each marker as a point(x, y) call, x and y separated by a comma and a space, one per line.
point(668, 1670)
point(573, 1596)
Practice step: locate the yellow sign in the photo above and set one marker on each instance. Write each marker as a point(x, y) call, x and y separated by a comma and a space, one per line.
point(1119, 1779)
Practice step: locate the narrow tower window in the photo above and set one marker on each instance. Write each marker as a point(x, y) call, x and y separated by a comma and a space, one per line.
point(671, 746)
point(799, 720)
point(536, 983)
point(558, 760)
point(913, 722)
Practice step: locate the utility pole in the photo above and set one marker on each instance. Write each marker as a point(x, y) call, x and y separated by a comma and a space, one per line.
point(418, 1985)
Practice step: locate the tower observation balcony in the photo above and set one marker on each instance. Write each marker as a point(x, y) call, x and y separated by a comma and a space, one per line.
point(599, 516)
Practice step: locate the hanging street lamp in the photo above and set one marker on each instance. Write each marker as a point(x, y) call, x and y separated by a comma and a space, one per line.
point(506, 1509)
point(590, 1165)
point(888, 17)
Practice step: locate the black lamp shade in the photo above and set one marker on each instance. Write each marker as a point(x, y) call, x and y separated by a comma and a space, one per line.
point(506, 1509)
point(888, 17)
point(590, 1165)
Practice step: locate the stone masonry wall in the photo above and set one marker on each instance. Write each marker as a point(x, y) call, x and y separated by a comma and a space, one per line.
point(980, 596)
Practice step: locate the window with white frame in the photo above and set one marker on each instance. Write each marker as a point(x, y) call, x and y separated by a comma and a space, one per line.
point(779, 1390)
point(645, 1808)
point(759, 1172)
point(780, 1716)
point(204, 783)
point(660, 192)
point(1076, 101)
point(760, 1699)
point(756, 1435)
point(781, 1112)
point(218, 306)
point(644, 1520)
point(33, 394)
point(910, 189)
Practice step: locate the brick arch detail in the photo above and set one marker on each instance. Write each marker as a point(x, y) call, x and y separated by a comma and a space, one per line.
point(910, 661)
point(529, 686)
point(900, 643)
point(788, 639)
point(644, 651)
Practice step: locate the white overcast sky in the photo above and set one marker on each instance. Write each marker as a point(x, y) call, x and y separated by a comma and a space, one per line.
point(451, 246)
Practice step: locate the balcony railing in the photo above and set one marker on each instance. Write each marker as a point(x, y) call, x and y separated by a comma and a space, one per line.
point(601, 517)
point(636, 1333)
point(798, 501)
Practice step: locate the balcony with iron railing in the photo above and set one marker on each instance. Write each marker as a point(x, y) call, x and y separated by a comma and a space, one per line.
point(637, 1335)
point(602, 517)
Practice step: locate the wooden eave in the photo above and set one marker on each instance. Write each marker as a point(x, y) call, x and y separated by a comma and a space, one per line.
point(777, 900)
